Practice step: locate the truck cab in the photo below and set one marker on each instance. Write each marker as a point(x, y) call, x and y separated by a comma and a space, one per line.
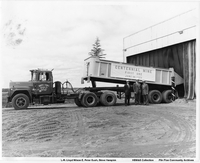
point(42, 82)
point(38, 90)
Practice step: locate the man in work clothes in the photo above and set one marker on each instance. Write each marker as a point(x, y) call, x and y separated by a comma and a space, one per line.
point(127, 92)
point(145, 92)
point(137, 91)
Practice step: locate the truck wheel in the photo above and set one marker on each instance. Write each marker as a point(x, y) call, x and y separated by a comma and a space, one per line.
point(89, 100)
point(77, 102)
point(108, 99)
point(20, 101)
point(167, 96)
point(155, 97)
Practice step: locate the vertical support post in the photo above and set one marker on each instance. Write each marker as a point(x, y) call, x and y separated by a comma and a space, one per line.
point(173, 88)
point(161, 76)
point(99, 70)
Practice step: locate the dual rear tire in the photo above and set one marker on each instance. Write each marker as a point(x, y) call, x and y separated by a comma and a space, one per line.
point(108, 99)
point(90, 99)
point(167, 96)
point(157, 97)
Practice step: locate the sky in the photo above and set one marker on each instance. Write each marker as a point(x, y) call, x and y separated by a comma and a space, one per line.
point(59, 34)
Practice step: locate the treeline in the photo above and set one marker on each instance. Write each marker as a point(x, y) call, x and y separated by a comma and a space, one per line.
point(5, 89)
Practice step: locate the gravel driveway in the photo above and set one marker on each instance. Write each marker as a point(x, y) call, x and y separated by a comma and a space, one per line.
point(154, 131)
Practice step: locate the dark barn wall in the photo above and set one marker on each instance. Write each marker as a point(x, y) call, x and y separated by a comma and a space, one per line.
point(182, 57)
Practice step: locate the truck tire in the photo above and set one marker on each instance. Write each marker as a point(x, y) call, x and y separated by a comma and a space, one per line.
point(77, 102)
point(20, 101)
point(167, 96)
point(108, 99)
point(155, 97)
point(89, 100)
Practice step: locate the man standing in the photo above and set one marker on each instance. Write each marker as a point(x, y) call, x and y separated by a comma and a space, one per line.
point(127, 92)
point(137, 91)
point(145, 92)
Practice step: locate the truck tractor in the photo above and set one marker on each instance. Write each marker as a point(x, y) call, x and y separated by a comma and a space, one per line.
point(39, 90)
point(42, 90)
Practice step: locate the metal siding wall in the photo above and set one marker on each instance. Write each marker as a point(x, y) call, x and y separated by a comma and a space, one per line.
point(181, 57)
point(163, 34)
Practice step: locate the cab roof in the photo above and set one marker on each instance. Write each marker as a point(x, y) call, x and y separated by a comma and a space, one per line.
point(41, 70)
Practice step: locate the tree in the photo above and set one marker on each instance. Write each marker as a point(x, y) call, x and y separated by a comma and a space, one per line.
point(97, 51)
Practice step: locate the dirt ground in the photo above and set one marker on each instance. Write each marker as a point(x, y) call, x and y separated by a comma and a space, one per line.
point(154, 131)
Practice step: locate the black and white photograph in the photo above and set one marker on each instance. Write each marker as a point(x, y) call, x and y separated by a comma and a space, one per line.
point(99, 81)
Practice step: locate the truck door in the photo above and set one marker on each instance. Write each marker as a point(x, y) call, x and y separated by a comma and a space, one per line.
point(44, 85)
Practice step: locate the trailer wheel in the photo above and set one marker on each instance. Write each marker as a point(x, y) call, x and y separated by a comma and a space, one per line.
point(108, 99)
point(89, 100)
point(155, 97)
point(20, 101)
point(77, 102)
point(167, 96)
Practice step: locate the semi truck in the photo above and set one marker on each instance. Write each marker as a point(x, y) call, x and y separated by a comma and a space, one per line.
point(41, 89)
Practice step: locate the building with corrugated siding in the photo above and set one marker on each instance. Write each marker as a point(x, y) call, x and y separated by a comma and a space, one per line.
point(171, 43)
